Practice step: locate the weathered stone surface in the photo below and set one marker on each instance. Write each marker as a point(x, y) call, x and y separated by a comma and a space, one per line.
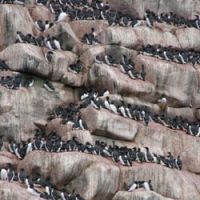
point(106, 124)
point(137, 8)
point(13, 18)
point(139, 195)
point(6, 157)
point(106, 177)
point(84, 26)
point(162, 140)
point(29, 105)
point(72, 169)
point(41, 13)
point(157, 137)
point(104, 76)
point(31, 59)
point(164, 180)
point(15, 191)
point(143, 35)
point(66, 35)
point(177, 82)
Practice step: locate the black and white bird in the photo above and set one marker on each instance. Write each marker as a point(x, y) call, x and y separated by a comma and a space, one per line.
point(62, 16)
point(4, 174)
point(1, 142)
point(43, 26)
point(22, 175)
point(49, 56)
point(147, 185)
point(132, 187)
point(178, 163)
point(48, 86)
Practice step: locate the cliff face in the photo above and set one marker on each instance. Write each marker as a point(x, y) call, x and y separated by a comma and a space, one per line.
point(95, 177)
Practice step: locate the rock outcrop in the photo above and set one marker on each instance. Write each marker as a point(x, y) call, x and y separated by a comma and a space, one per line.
point(27, 111)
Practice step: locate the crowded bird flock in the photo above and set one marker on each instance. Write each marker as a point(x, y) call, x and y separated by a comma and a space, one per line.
point(77, 10)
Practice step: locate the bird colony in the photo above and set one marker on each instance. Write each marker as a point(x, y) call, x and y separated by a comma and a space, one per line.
point(99, 100)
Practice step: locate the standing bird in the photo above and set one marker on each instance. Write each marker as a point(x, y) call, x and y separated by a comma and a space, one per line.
point(49, 86)
point(178, 163)
point(163, 104)
point(49, 56)
point(22, 175)
point(1, 142)
point(148, 19)
point(143, 73)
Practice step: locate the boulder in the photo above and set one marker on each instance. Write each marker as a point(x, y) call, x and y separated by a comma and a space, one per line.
point(31, 59)
point(65, 34)
point(111, 78)
point(13, 18)
point(107, 124)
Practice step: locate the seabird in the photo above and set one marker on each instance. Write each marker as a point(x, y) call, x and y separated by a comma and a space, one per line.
point(49, 86)
point(147, 185)
point(4, 174)
point(132, 187)
point(62, 16)
point(106, 103)
point(108, 59)
point(22, 175)
point(29, 146)
point(178, 163)
point(148, 155)
point(122, 110)
point(32, 190)
point(148, 19)
point(1, 142)
point(113, 108)
point(143, 73)
point(49, 56)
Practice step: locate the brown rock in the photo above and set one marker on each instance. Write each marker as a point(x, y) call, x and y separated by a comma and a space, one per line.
point(139, 194)
point(41, 13)
point(162, 140)
point(143, 35)
point(78, 171)
point(104, 76)
point(169, 183)
point(84, 26)
point(30, 58)
point(137, 8)
point(65, 33)
point(177, 82)
point(13, 18)
point(15, 191)
point(104, 123)
point(29, 105)
point(82, 171)
point(6, 157)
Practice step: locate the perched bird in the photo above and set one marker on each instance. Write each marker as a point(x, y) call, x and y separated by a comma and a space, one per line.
point(49, 86)
point(1, 142)
point(49, 56)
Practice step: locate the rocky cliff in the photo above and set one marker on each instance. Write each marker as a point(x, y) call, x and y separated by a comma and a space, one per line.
point(38, 93)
